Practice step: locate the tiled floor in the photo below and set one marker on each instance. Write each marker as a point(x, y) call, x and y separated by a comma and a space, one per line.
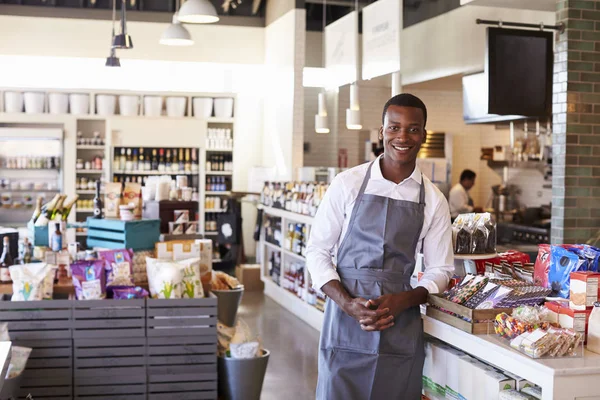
point(292, 370)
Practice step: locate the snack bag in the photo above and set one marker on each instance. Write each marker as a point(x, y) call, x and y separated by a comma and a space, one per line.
point(490, 225)
point(192, 285)
point(562, 263)
point(165, 278)
point(28, 281)
point(112, 199)
point(48, 284)
point(130, 293)
point(479, 237)
point(132, 195)
point(464, 234)
point(18, 361)
point(89, 279)
point(223, 281)
point(119, 267)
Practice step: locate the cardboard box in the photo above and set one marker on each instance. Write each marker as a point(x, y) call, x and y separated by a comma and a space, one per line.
point(553, 311)
point(452, 373)
point(249, 276)
point(466, 381)
point(495, 382)
point(584, 289)
point(574, 319)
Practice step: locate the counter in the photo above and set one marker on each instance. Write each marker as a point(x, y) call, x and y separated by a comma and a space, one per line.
point(4, 361)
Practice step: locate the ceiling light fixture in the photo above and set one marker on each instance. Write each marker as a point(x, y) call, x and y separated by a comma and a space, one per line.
point(321, 123)
point(123, 40)
point(198, 12)
point(353, 113)
point(176, 34)
point(112, 60)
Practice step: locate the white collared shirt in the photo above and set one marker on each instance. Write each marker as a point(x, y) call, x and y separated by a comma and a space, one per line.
point(458, 199)
point(331, 223)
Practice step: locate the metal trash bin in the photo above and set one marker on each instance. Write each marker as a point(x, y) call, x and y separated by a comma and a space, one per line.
point(227, 304)
point(242, 379)
point(10, 389)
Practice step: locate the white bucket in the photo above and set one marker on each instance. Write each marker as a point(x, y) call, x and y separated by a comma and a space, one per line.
point(129, 105)
point(13, 102)
point(106, 104)
point(79, 103)
point(224, 108)
point(58, 103)
point(203, 107)
point(153, 106)
point(176, 106)
point(34, 102)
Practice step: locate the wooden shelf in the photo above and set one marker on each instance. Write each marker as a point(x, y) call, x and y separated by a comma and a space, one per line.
point(153, 173)
point(294, 255)
point(90, 171)
point(90, 147)
point(85, 210)
point(219, 150)
point(222, 173)
point(218, 193)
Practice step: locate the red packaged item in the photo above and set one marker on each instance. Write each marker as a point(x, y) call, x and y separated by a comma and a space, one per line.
point(575, 319)
point(542, 266)
point(583, 289)
point(553, 311)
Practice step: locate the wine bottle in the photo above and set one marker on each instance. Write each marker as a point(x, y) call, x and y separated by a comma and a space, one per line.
point(98, 205)
point(56, 215)
point(194, 161)
point(122, 160)
point(141, 161)
point(168, 161)
point(67, 206)
point(38, 210)
point(175, 162)
point(187, 166)
point(56, 244)
point(134, 161)
point(161, 161)
point(5, 261)
point(47, 212)
point(128, 161)
point(154, 164)
point(181, 160)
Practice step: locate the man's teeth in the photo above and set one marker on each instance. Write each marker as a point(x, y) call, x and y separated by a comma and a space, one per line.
point(400, 148)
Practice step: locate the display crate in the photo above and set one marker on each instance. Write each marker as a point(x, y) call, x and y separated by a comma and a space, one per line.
point(109, 319)
point(117, 234)
point(37, 320)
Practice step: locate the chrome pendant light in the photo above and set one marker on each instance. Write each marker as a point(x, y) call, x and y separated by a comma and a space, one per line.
point(176, 34)
point(198, 12)
point(321, 121)
point(112, 60)
point(123, 40)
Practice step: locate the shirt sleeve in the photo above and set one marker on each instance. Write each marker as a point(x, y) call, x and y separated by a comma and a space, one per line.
point(437, 252)
point(325, 234)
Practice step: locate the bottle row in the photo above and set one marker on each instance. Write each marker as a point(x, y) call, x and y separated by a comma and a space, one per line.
point(219, 139)
point(156, 159)
point(96, 163)
point(296, 238)
point(210, 223)
point(217, 184)
point(219, 163)
point(299, 197)
point(215, 203)
point(272, 227)
point(57, 209)
point(31, 162)
point(97, 140)
point(293, 278)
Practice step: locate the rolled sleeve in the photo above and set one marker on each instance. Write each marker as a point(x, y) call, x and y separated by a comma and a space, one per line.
point(437, 252)
point(325, 234)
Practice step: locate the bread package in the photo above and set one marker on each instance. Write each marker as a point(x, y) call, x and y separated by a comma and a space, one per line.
point(112, 199)
point(132, 195)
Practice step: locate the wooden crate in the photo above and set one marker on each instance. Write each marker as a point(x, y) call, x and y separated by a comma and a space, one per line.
point(473, 316)
point(109, 319)
point(117, 234)
point(37, 320)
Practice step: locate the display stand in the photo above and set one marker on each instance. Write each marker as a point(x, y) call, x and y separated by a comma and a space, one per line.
point(465, 263)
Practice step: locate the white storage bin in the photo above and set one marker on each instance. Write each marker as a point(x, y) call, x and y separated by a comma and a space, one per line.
point(153, 106)
point(129, 105)
point(79, 103)
point(13, 102)
point(58, 103)
point(34, 102)
point(106, 104)
point(176, 106)
point(224, 108)
point(203, 107)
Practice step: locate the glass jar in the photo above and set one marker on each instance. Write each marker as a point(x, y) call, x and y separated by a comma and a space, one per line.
point(79, 164)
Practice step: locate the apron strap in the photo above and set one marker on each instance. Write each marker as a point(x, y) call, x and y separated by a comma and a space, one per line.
point(422, 201)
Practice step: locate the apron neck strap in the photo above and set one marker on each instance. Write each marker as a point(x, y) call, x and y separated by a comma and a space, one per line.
point(422, 191)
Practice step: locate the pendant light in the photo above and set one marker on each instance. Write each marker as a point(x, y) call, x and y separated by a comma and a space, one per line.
point(353, 113)
point(123, 40)
point(321, 123)
point(112, 60)
point(176, 34)
point(198, 12)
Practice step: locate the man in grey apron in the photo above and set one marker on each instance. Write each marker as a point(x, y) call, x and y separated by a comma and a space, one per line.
point(372, 339)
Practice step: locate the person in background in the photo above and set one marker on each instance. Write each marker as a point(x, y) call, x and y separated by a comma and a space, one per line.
point(459, 200)
point(376, 217)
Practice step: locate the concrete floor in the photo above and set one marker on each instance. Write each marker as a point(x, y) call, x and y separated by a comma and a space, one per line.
point(292, 370)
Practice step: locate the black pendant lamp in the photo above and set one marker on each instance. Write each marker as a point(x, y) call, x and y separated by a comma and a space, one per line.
point(123, 40)
point(112, 60)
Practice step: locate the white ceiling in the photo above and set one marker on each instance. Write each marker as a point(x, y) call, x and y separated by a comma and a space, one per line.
point(541, 5)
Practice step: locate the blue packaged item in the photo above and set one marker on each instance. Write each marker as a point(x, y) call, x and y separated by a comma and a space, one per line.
point(562, 263)
point(592, 256)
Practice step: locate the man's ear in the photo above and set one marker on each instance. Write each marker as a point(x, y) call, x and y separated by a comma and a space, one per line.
point(380, 135)
point(424, 135)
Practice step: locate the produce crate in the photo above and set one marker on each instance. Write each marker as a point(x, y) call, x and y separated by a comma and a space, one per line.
point(181, 348)
point(117, 234)
point(109, 319)
point(477, 323)
point(37, 320)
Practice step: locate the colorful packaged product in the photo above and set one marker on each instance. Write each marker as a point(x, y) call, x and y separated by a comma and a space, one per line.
point(584, 289)
point(89, 279)
point(130, 293)
point(562, 263)
point(28, 281)
point(119, 267)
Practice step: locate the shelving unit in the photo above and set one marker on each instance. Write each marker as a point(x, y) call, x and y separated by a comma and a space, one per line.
point(218, 193)
point(229, 173)
point(298, 306)
point(90, 171)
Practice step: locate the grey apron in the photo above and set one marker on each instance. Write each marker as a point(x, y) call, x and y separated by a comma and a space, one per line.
point(376, 257)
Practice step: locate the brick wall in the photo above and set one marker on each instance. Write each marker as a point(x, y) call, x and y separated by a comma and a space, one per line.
point(576, 123)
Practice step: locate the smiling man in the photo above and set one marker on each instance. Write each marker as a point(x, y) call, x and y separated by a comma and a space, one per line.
point(374, 218)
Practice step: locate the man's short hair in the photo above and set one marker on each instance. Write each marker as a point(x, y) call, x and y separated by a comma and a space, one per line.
point(405, 100)
point(467, 174)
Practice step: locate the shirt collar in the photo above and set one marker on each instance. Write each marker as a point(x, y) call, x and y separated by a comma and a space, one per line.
point(378, 175)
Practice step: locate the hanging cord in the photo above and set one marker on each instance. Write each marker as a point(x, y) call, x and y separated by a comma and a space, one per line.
point(323, 55)
point(114, 15)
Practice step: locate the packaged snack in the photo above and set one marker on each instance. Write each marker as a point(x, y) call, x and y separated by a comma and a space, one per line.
point(165, 279)
point(28, 281)
point(576, 320)
point(130, 293)
point(206, 255)
point(132, 195)
point(223, 281)
point(192, 285)
point(191, 228)
point(592, 255)
point(562, 263)
point(176, 228)
point(469, 290)
point(464, 234)
point(490, 225)
point(119, 267)
point(538, 343)
point(583, 290)
point(181, 216)
point(479, 236)
point(89, 279)
point(482, 295)
point(512, 395)
point(112, 199)
point(18, 360)
point(533, 391)
point(4, 336)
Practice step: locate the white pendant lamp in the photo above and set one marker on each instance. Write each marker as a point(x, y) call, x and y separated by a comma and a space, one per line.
point(321, 124)
point(198, 12)
point(176, 34)
point(353, 113)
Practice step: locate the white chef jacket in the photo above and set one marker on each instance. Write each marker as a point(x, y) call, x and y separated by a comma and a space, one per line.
point(458, 199)
point(332, 218)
